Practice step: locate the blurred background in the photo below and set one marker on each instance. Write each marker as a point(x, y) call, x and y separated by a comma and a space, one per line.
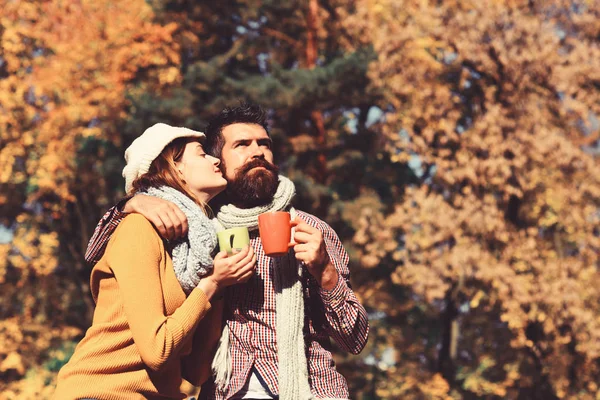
point(452, 144)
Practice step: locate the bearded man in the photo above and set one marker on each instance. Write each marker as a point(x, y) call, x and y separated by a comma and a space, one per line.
point(278, 325)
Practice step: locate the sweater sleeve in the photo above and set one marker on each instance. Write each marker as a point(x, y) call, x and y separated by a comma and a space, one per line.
point(196, 366)
point(135, 257)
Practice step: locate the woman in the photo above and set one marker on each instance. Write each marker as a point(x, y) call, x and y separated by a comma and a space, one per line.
point(151, 296)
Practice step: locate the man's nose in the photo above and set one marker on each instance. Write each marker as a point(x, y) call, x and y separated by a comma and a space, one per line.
point(257, 151)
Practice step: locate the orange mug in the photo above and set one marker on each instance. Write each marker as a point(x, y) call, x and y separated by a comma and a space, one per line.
point(275, 230)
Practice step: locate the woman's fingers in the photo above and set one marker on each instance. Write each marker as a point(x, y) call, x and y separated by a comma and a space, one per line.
point(248, 257)
point(244, 278)
point(246, 272)
point(246, 266)
point(237, 257)
point(236, 268)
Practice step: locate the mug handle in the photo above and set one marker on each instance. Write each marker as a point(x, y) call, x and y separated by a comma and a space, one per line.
point(229, 244)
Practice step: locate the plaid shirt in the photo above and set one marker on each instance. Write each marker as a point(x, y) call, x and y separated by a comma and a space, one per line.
point(250, 314)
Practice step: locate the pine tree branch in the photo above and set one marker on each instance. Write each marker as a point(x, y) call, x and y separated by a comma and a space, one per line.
point(281, 36)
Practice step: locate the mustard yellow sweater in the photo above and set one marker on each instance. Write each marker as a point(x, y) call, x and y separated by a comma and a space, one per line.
point(145, 335)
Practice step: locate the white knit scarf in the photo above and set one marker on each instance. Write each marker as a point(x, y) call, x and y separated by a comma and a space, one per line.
point(192, 254)
point(293, 369)
point(231, 216)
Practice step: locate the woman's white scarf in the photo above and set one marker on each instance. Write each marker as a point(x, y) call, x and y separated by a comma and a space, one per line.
point(293, 369)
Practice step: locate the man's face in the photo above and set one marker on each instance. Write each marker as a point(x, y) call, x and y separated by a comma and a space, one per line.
point(243, 143)
point(247, 163)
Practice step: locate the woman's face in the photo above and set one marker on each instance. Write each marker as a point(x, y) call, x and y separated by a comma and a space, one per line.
point(201, 172)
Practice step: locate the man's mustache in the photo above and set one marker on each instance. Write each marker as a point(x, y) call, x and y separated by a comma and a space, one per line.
point(257, 162)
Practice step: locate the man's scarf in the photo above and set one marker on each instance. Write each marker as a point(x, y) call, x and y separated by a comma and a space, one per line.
point(291, 352)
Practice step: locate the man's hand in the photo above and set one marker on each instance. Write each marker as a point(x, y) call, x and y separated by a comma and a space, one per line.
point(311, 250)
point(168, 219)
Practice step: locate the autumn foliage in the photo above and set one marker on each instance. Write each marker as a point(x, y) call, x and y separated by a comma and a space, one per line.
point(65, 70)
point(453, 145)
point(498, 241)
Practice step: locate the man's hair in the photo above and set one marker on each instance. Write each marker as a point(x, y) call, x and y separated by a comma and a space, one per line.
point(245, 113)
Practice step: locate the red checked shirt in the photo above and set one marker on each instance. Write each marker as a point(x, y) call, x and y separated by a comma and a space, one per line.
point(250, 314)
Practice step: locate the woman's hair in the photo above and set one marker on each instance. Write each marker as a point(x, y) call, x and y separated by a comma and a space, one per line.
point(163, 172)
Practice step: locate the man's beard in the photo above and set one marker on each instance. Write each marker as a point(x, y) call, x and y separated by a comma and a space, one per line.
point(252, 187)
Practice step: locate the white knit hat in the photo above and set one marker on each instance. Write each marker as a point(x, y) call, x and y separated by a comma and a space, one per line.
point(140, 154)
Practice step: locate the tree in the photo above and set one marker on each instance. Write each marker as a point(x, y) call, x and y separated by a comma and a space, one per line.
point(65, 68)
point(91, 88)
point(493, 255)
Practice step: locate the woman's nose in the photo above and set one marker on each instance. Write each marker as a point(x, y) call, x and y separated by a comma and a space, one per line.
point(215, 161)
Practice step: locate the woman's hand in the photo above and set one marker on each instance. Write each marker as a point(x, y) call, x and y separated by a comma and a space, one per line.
point(229, 270)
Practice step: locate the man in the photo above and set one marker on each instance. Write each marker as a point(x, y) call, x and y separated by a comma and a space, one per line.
point(276, 341)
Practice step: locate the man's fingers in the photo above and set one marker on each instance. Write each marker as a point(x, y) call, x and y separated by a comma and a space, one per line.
point(305, 254)
point(159, 225)
point(296, 221)
point(220, 255)
point(304, 227)
point(184, 227)
point(303, 237)
point(176, 223)
point(169, 225)
point(303, 257)
point(181, 220)
point(302, 248)
point(176, 220)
